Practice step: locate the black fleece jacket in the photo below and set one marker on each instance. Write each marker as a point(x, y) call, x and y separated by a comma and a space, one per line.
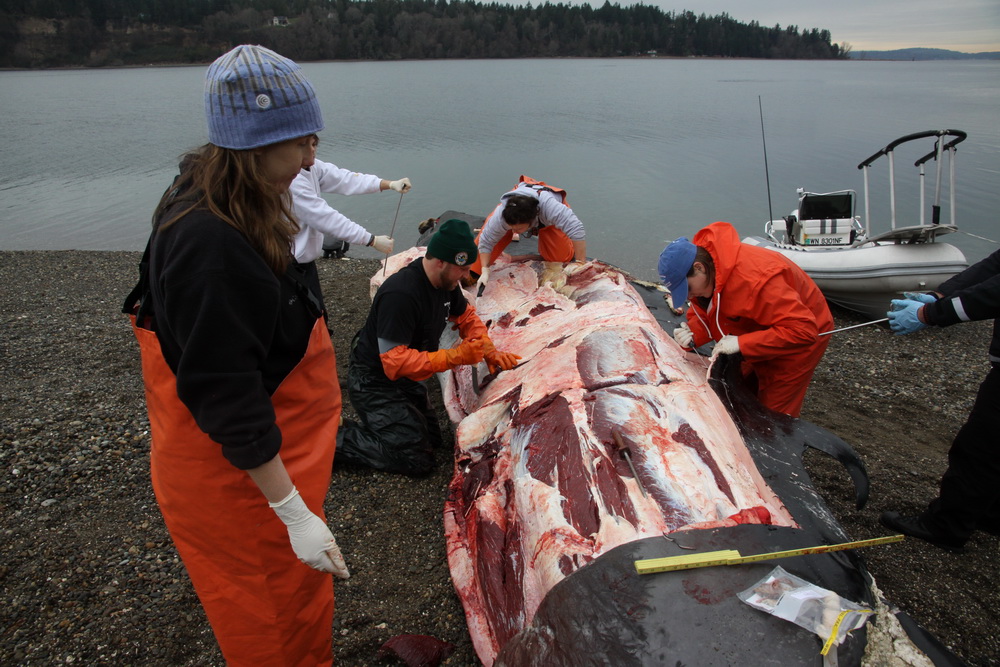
point(973, 294)
point(229, 328)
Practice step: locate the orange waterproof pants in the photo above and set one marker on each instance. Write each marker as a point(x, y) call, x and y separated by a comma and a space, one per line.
point(553, 246)
point(782, 382)
point(266, 607)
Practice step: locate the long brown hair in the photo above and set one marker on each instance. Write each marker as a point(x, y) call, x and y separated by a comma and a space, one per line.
point(231, 185)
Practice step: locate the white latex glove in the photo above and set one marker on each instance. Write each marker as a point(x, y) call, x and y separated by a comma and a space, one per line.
point(311, 540)
point(684, 336)
point(728, 345)
point(400, 186)
point(484, 278)
point(383, 244)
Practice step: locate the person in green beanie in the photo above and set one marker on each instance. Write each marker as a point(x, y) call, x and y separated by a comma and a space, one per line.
point(396, 351)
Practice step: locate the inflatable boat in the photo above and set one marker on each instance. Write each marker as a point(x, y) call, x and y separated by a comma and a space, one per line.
point(861, 269)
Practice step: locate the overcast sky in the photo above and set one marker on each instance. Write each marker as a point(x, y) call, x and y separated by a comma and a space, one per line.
point(960, 25)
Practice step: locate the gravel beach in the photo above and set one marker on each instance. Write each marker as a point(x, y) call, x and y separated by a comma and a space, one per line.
point(89, 575)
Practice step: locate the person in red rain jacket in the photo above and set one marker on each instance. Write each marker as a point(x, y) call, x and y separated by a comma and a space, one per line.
point(752, 301)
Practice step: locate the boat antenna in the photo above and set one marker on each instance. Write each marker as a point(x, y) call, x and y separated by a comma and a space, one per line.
point(767, 176)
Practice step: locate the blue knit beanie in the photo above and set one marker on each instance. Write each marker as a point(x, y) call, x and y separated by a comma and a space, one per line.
point(255, 97)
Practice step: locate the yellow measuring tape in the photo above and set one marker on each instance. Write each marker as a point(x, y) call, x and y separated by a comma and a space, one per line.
point(836, 626)
point(733, 557)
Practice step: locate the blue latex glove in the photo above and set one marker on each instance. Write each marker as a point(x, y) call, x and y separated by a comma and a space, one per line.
point(920, 296)
point(903, 316)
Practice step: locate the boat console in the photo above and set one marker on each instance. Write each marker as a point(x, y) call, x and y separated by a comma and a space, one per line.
point(823, 219)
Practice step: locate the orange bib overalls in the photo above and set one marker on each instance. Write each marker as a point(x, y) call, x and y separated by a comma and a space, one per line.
point(266, 607)
point(553, 244)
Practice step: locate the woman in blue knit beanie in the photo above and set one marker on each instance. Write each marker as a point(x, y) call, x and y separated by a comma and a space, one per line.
point(240, 376)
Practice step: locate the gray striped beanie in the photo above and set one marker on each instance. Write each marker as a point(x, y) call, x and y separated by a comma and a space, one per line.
point(255, 97)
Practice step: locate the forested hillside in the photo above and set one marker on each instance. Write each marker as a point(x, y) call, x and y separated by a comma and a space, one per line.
point(94, 33)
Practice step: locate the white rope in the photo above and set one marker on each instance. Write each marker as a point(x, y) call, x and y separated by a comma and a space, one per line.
point(981, 238)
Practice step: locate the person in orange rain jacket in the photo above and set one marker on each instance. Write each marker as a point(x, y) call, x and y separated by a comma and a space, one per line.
point(397, 350)
point(751, 301)
point(239, 371)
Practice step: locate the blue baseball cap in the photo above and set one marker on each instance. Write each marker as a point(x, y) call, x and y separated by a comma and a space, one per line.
point(676, 261)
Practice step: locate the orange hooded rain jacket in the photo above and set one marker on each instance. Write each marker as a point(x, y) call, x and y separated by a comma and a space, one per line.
point(773, 306)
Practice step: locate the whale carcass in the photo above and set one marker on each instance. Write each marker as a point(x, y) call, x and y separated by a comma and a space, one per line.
point(608, 444)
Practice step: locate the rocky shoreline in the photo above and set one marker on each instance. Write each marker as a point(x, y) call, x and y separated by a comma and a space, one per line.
point(90, 576)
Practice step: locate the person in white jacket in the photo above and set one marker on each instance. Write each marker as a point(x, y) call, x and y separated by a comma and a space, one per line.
point(316, 217)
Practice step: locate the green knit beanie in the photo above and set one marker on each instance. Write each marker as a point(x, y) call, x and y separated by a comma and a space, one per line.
point(453, 243)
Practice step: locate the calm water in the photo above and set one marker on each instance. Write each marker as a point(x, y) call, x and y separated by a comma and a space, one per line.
point(648, 149)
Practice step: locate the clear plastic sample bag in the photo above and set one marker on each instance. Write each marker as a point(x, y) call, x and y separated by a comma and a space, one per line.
point(808, 606)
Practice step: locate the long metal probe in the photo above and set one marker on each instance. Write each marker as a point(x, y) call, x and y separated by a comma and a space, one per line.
point(854, 326)
point(628, 459)
point(770, 214)
point(392, 231)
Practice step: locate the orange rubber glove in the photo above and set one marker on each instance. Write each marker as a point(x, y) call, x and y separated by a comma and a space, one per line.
point(500, 361)
point(402, 361)
point(497, 360)
point(469, 325)
point(465, 353)
point(405, 362)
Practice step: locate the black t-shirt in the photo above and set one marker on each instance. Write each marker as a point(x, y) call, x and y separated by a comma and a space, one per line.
point(407, 309)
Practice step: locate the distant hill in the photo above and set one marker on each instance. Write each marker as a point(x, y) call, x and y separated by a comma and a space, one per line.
point(923, 54)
